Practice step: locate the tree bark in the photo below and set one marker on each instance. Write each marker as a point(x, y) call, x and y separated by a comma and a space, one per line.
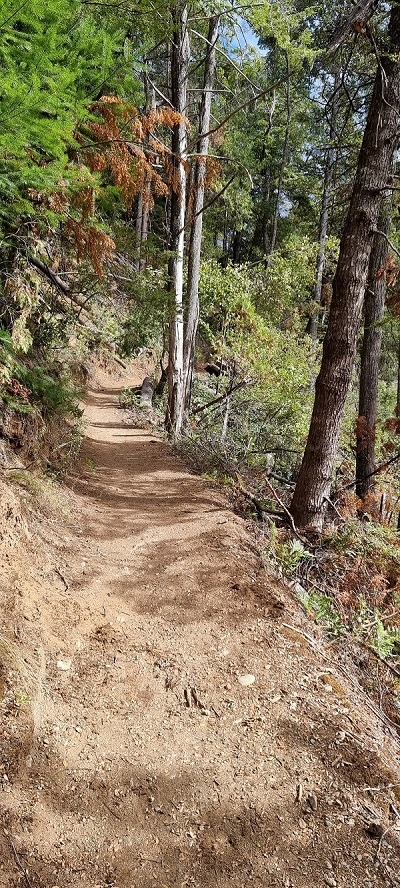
point(192, 312)
point(398, 383)
point(143, 205)
point(329, 165)
point(146, 392)
point(373, 170)
point(370, 358)
point(180, 53)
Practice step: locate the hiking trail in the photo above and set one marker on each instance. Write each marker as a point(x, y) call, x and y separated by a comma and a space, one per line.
point(192, 728)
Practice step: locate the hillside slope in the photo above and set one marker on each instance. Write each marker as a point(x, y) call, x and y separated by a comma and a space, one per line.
point(187, 727)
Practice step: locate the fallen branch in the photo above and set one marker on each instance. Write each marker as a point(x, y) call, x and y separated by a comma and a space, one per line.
point(372, 651)
point(114, 356)
point(286, 511)
point(66, 291)
point(378, 712)
point(221, 398)
point(380, 468)
point(261, 509)
point(50, 274)
point(330, 503)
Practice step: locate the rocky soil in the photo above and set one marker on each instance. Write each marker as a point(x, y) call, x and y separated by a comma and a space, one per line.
point(169, 717)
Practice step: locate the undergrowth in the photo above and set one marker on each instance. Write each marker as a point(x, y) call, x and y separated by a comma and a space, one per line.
point(349, 581)
point(40, 414)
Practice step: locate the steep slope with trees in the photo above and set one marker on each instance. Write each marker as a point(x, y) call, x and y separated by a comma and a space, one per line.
point(211, 189)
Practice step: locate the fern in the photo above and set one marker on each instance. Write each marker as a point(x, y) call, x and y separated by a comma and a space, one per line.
point(322, 609)
point(386, 639)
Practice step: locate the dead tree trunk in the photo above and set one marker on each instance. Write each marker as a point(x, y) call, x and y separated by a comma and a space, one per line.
point(192, 312)
point(146, 392)
point(370, 357)
point(179, 76)
point(373, 170)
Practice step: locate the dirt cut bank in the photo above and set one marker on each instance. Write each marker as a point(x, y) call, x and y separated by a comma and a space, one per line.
point(185, 726)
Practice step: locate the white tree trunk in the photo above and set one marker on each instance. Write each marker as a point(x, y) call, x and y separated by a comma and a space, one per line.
point(192, 315)
point(179, 76)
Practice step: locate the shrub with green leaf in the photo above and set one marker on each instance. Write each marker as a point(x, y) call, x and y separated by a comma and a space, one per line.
point(268, 413)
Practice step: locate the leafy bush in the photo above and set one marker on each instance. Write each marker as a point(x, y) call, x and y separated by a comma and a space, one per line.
point(385, 639)
point(52, 393)
point(290, 554)
point(129, 397)
point(268, 413)
point(143, 326)
point(284, 294)
point(350, 582)
point(24, 388)
point(39, 407)
point(322, 610)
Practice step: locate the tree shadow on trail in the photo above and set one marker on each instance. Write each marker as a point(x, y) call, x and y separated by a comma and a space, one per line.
point(125, 826)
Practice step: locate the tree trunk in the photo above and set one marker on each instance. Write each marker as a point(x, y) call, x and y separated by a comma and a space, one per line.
point(192, 315)
point(285, 156)
point(398, 385)
point(226, 420)
point(330, 159)
point(180, 53)
point(373, 170)
point(265, 221)
point(146, 392)
point(143, 205)
point(370, 358)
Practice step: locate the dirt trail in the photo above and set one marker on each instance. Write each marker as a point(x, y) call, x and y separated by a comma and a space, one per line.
point(148, 762)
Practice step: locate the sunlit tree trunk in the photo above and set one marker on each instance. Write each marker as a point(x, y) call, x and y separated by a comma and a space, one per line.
point(179, 76)
point(370, 358)
point(199, 176)
point(373, 170)
point(143, 205)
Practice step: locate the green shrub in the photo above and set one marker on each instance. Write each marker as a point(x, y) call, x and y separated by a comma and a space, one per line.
point(129, 397)
point(322, 610)
point(53, 393)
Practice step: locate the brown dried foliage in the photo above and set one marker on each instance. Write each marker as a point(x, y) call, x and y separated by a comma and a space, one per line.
point(124, 143)
point(90, 243)
point(389, 272)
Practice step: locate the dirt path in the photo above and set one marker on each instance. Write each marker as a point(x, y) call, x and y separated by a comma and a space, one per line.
point(148, 762)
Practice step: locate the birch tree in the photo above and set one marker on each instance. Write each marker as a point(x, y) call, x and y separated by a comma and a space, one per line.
point(180, 54)
point(199, 176)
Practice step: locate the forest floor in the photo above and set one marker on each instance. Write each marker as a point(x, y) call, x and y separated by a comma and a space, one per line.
point(188, 726)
